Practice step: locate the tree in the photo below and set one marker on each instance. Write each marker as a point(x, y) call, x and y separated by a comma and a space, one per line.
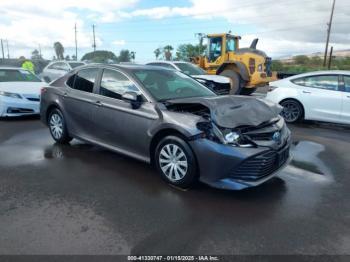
point(74, 58)
point(167, 52)
point(187, 51)
point(277, 65)
point(59, 50)
point(67, 58)
point(100, 56)
point(124, 56)
point(157, 52)
point(301, 60)
point(36, 55)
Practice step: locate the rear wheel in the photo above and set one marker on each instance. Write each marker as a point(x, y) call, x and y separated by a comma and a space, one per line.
point(175, 162)
point(58, 128)
point(236, 81)
point(292, 111)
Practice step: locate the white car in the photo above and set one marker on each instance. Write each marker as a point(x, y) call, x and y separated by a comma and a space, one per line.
point(19, 92)
point(219, 84)
point(57, 69)
point(321, 96)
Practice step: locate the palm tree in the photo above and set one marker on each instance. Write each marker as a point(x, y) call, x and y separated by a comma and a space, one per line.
point(157, 52)
point(167, 52)
point(59, 50)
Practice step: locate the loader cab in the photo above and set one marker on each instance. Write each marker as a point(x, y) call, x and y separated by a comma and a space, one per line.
point(219, 45)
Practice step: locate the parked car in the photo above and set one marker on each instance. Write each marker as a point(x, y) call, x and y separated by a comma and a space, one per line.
point(19, 92)
point(167, 118)
point(221, 85)
point(322, 96)
point(57, 69)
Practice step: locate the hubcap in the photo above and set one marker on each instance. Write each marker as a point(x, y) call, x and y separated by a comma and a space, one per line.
point(56, 125)
point(173, 162)
point(290, 112)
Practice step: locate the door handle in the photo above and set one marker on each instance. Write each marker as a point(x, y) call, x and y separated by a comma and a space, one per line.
point(65, 94)
point(98, 103)
point(306, 92)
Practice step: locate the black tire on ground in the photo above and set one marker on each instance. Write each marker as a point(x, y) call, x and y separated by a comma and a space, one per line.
point(292, 111)
point(236, 81)
point(247, 91)
point(57, 127)
point(175, 162)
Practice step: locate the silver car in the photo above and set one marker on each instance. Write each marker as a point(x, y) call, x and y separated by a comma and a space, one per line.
point(57, 69)
point(167, 118)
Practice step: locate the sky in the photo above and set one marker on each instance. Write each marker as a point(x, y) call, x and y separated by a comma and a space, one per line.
point(284, 27)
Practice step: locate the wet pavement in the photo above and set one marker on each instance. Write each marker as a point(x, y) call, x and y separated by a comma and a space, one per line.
point(82, 199)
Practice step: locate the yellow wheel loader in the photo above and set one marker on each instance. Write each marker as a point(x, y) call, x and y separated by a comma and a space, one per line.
point(248, 68)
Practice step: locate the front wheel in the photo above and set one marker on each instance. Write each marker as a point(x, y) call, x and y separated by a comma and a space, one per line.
point(175, 162)
point(292, 111)
point(235, 79)
point(58, 128)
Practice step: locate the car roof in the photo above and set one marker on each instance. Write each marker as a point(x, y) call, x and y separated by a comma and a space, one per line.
point(169, 62)
point(11, 67)
point(125, 67)
point(323, 72)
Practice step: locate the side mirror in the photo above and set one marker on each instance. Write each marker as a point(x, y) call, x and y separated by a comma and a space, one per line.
point(134, 98)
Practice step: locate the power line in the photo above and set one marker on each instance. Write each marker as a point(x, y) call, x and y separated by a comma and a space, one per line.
point(329, 26)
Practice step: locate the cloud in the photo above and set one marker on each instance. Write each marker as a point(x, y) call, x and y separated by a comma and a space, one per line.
point(283, 26)
point(119, 42)
point(26, 24)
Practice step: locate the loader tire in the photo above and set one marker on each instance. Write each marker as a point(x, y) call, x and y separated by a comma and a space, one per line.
point(236, 81)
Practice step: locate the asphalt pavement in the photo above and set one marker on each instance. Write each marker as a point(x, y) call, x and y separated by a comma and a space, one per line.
point(82, 199)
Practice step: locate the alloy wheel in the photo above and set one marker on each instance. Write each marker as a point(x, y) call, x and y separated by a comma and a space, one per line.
point(173, 162)
point(56, 125)
point(291, 111)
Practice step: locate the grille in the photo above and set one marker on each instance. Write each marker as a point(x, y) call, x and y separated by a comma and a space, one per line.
point(16, 110)
point(261, 136)
point(262, 165)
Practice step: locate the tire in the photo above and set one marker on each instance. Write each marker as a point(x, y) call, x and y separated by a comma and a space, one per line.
point(236, 81)
point(57, 127)
point(168, 164)
point(247, 91)
point(292, 111)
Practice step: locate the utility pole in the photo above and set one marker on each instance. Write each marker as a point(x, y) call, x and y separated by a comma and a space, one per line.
point(93, 32)
point(76, 42)
point(330, 58)
point(40, 51)
point(2, 49)
point(200, 38)
point(8, 52)
point(329, 26)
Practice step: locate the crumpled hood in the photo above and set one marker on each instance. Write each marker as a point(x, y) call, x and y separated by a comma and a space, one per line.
point(214, 78)
point(234, 111)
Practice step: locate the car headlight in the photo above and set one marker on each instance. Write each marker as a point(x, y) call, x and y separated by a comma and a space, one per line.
point(232, 138)
point(8, 94)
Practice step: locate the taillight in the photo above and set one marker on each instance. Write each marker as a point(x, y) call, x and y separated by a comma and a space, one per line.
point(251, 65)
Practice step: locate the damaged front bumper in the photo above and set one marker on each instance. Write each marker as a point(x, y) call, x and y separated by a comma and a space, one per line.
point(236, 168)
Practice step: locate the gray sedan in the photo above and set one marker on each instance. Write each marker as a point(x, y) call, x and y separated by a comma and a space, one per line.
point(166, 118)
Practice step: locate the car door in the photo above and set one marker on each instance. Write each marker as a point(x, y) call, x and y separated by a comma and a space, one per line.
point(116, 123)
point(80, 101)
point(321, 97)
point(345, 113)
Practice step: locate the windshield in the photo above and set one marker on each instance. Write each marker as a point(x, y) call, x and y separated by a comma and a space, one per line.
point(190, 69)
point(75, 64)
point(10, 75)
point(168, 84)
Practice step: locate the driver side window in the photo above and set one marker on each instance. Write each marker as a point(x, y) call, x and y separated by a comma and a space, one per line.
point(114, 84)
point(215, 48)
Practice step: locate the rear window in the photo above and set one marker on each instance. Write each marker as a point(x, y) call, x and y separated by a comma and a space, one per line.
point(76, 64)
point(84, 80)
point(10, 75)
point(190, 69)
